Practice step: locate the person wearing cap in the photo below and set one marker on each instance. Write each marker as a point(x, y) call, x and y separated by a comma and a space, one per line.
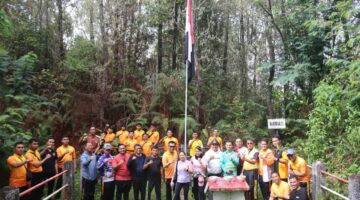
point(298, 167)
point(211, 160)
point(89, 171)
point(104, 166)
point(250, 169)
point(217, 138)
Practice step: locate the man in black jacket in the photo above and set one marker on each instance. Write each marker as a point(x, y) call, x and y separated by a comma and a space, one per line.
point(135, 165)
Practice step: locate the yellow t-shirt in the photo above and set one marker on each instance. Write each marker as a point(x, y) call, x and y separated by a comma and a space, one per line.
point(154, 136)
point(283, 168)
point(70, 156)
point(122, 136)
point(269, 155)
point(130, 145)
point(281, 190)
point(109, 138)
point(166, 141)
point(196, 143)
point(17, 174)
point(300, 166)
point(253, 154)
point(218, 139)
point(35, 156)
point(146, 147)
point(138, 135)
point(169, 158)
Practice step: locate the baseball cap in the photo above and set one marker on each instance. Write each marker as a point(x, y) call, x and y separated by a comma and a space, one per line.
point(107, 146)
point(290, 152)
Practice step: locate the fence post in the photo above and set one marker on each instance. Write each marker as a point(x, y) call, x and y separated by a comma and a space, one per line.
point(69, 178)
point(9, 193)
point(354, 187)
point(317, 180)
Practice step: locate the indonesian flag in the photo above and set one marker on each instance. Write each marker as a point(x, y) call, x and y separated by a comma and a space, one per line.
point(189, 41)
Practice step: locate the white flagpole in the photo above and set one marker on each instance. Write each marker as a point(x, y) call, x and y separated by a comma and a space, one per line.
point(186, 104)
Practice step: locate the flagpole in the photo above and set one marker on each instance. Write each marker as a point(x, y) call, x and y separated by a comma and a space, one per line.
point(186, 104)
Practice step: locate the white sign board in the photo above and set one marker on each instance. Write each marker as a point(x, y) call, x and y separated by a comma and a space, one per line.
point(276, 124)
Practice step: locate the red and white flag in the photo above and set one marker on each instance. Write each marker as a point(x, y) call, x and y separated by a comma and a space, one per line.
point(189, 41)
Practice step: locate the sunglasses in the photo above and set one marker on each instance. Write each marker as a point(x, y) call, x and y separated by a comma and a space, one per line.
point(172, 146)
point(249, 143)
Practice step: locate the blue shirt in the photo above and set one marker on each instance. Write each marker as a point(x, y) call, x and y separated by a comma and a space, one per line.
point(227, 164)
point(88, 167)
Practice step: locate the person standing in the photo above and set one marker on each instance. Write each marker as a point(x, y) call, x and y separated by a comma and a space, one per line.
point(104, 166)
point(65, 153)
point(250, 169)
point(183, 176)
point(215, 137)
point(280, 190)
point(211, 160)
point(297, 192)
point(138, 133)
point(35, 167)
point(229, 160)
point(153, 168)
point(298, 167)
point(198, 174)
point(266, 161)
point(280, 164)
point(153, 134)
point(89, 171)
point(136, 167)
point(130, 143)
point(92, 138)
point(122, 174)
point(169, 137)
point(168, 161)
point(17, 164)
point(241, 152)
point(194, 143)
point(110, 136)
point(122, 135)
point(146, 145)
point(49, 166)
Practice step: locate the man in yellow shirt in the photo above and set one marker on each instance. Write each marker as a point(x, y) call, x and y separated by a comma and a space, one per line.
point(65, 153)
point(122, 135)
point(194, 142)
point(250, 169)
point(217, 138)
point(169, 137)
point(154, 135)
point(169, 159)
point(298, 167)
point(280, 164)
point(35, 167)
point(280, 190)
point(130, 143)
point(17, 164)
point(138, 133)
point(146, 145)
point(110, 136)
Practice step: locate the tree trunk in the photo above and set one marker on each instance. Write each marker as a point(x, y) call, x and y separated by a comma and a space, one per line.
point(160, 48)
point(225, 56)
point(243, 62)
point(271, 52)
point(175, 31)
point(60, 30)
point(91, 25)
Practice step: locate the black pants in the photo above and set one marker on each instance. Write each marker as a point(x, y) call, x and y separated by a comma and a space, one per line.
point(107, 190)
point(252, 181)
point(168, 189)
point(198, 191)
point(154, 182)
point(50, 184)
point(139, 186)
point(37, 177)
point(239, 169)
point(307, 187)
point(265, 188)
point(123, 189)
point(59, 183)
point(26, 196)
point(178, 187)
point(89, 188)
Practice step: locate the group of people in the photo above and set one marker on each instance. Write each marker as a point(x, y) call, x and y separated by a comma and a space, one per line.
point(131, 159)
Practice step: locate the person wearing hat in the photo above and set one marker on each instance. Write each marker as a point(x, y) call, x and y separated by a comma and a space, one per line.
point(298, 167)
point(104, 166)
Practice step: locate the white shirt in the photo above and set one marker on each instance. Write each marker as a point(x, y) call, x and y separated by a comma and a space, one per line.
point(213, 166)
point(243, 151)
